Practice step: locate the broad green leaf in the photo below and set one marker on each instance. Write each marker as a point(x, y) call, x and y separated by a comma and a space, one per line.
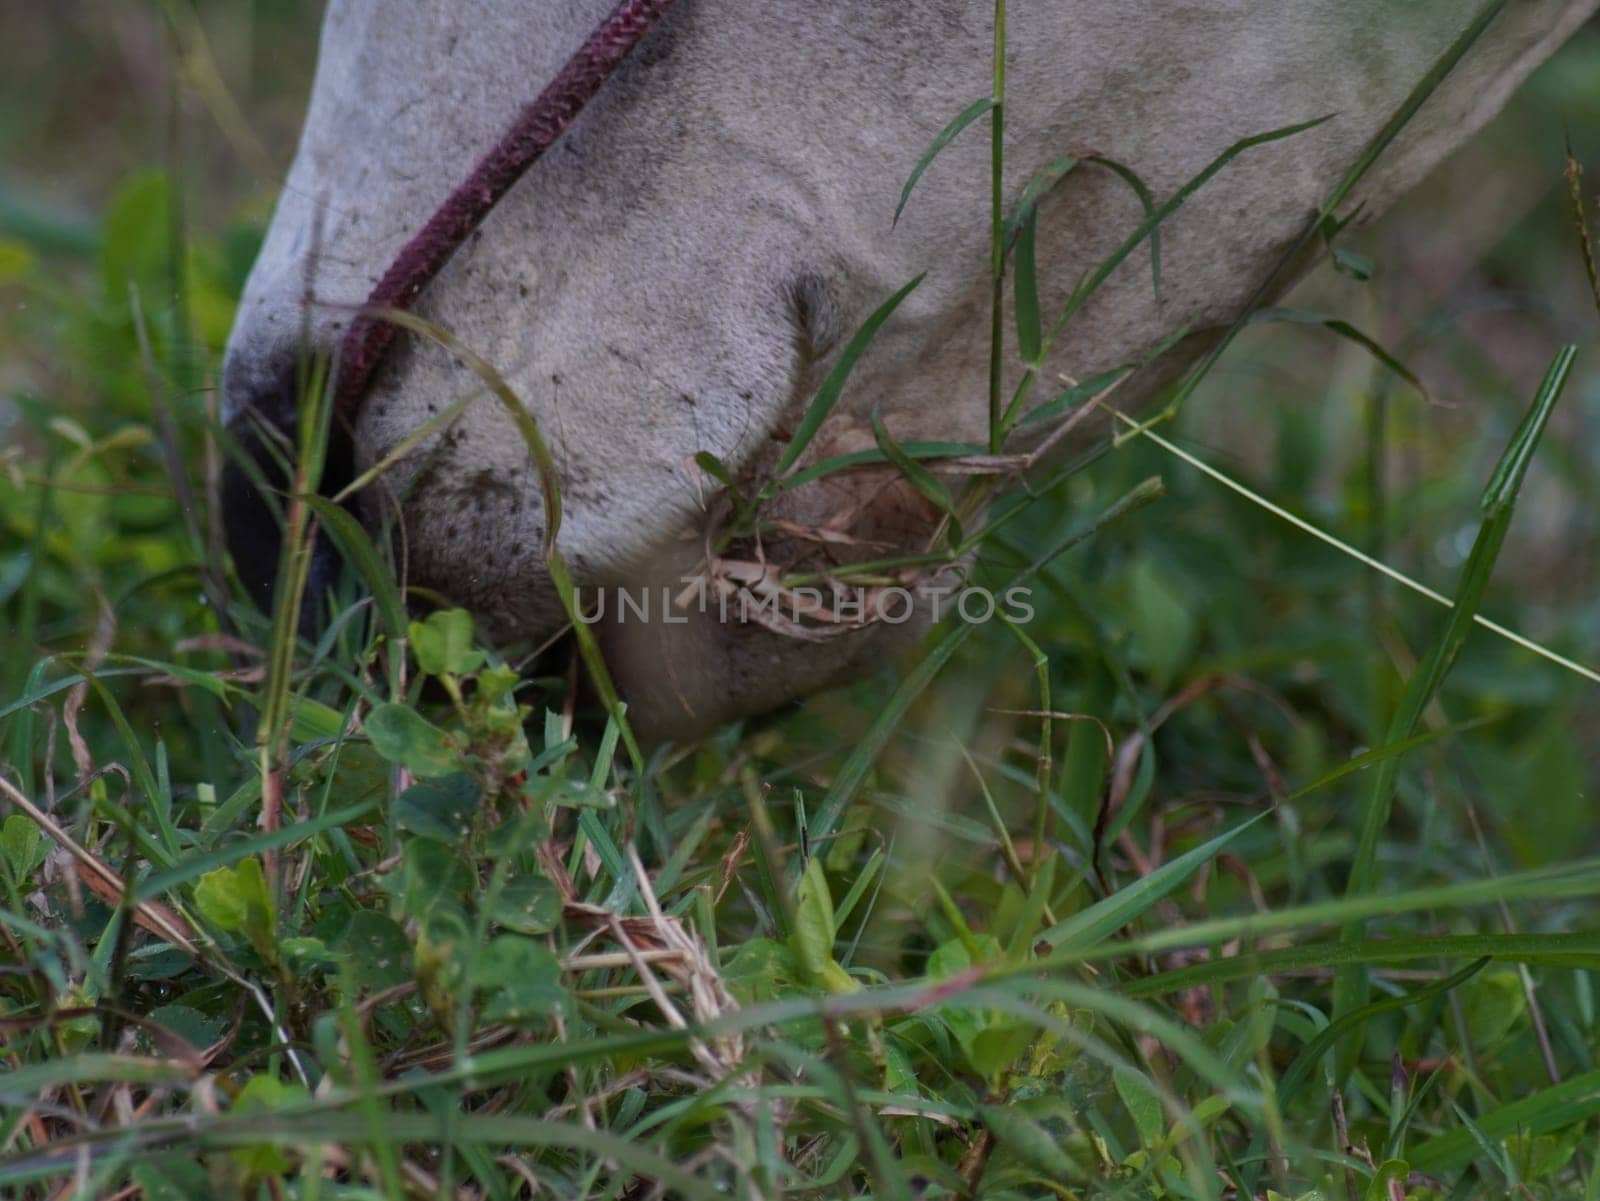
point(1143, 1104)
point(998, 1045)
point(137, 247)
point(443, 809)
point(306, 952)
point(402, 735)
point(264, 1095)
point(440, 952)
point(189, 1024)
point(1163, 621)
point(762, 970)
point(1029, 1142)
point(22, 845)
point(969, 1022)
point(377, 950)
point(1495, 1004)
point(1389, 1172)
point(955, 956)
point(432, 873)
point(16, 261)
point(236, 899)
point(443, 643)
point(812, 939)
point(528, 904)
point(170, 1180)
point(311, 721)
point(521, 979)
point(1202, 1115)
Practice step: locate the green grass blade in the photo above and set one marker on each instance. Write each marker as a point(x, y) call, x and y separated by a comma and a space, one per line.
point(1393, 750)
point(1415, 99)
point(1578, 950)
point(1501, 492)
point(1345, 330)
point(1299, 1072)
point(359, 550)
point(1350, 990)
point(1070, 398)
point(197, 865)
point(1105, 917)
point(1147, 202)
point(1025, 284)
point(1575, 880)
point(832, 388)
point(872, 458)
point(930, 486)
point(945, 136)
point(1046, 178)
point(1171, 205)
point(1554, 1108)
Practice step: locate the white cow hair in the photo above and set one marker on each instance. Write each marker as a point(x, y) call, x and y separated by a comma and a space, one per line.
point(728, 197)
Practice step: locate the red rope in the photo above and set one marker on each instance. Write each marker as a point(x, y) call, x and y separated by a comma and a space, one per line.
point(534, 131)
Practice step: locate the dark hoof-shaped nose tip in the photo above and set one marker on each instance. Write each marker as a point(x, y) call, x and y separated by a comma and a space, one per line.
point(257, 479)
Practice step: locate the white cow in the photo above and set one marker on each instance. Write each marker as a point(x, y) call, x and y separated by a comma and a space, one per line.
point(677, 274)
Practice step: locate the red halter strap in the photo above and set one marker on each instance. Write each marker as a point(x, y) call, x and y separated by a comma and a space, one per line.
point(534, 131)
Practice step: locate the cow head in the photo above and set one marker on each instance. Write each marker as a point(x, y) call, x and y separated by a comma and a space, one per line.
point(677, 273)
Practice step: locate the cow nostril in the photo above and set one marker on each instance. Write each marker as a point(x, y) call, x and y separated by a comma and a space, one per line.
point(258, 475)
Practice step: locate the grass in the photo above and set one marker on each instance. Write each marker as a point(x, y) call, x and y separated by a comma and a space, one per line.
point(1234, 873)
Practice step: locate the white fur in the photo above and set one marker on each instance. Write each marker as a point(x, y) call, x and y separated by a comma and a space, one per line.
point(636, 287)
